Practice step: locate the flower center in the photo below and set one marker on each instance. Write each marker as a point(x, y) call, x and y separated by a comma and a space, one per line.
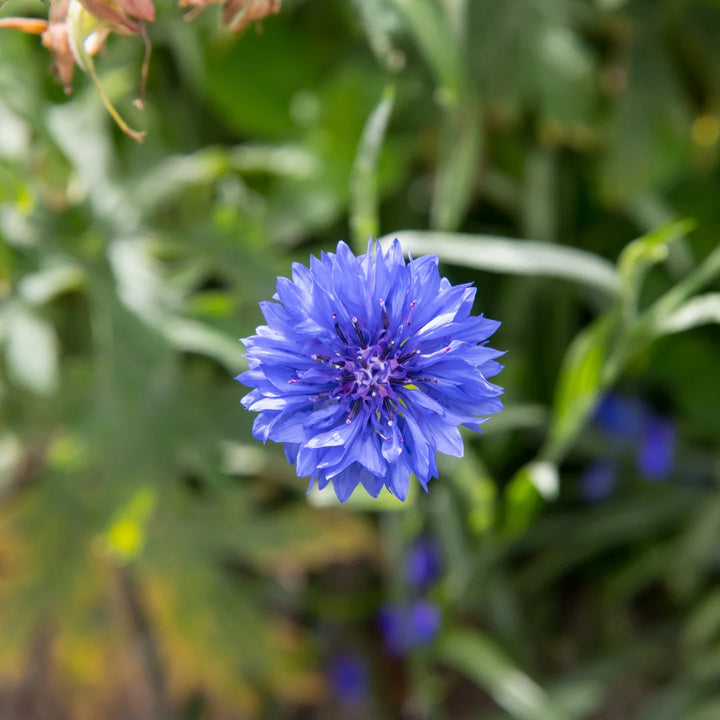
point(370, 374)
point(373, 374)
point(369, 371)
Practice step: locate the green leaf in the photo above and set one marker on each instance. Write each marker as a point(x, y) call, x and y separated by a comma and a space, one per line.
point(708, 710)
point(31, 350)
point(41, 287)
point(649, 138)
point(458, 163)
point(79, 129)
point(480, 659)
point(540, 206)
point(206, 166)
point(192, 336)
point(478, 491)
point(701, 310)
point(381, 21)
point(363, 179)
point(641, 254)
point(436, 39)
point(703, 625)
point(516, 257)
point(562, 70)
point(581, 381)
point(673, 299)
point(522, 502)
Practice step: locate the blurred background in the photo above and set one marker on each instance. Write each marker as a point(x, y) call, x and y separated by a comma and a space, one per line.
point(156, 563)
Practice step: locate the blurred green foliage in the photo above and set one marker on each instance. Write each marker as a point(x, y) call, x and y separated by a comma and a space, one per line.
point(156, 562)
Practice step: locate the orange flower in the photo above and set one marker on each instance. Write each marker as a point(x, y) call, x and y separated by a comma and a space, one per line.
point(237, 14)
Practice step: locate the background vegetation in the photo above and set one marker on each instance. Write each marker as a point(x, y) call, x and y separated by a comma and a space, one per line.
point(156, 562)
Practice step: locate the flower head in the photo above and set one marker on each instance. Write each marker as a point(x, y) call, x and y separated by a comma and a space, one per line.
point(655, 455)
point(406, 627)
point(366, 368)
point(423, 563)
point(620, 417)
point(348, 674)
point(598, 481)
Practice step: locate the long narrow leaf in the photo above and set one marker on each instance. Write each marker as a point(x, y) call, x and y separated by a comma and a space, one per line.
point(363, 182)
point(515, 257)
point(477, 657)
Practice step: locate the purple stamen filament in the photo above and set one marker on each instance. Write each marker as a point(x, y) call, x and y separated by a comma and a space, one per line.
point(371, 372)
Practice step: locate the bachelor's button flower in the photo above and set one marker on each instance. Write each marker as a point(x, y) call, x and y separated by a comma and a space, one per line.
point(631, 424)
point(423, 563)
point(621, 417)
point(599, 480)
point(366, 368)
point(406, 627)
point(656, 450)
point(349, 678)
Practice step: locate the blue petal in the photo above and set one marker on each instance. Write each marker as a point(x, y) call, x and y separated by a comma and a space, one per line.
point(656, 452)
point(399, 480)
point(345, 483)
point(598, 481)
point(336, 436)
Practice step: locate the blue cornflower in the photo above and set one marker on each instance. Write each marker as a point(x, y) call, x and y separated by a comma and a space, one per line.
point(349, 680)
point(423, 563)
point(406, 627)
point(630, 423)
point(655, 454)
point(599, 480)
point(366, 368)
point(621, 417)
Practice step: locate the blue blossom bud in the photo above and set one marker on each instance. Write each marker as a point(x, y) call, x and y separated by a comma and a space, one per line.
point(406, 627)
point(656, 451)
point(348, 675)
point(598, 481)
point(423, 563)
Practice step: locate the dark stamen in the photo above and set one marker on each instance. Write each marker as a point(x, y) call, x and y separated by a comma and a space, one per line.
point(409, 355)
point(389, 410)
point(387, 349)
point(359, 332)
point(338, 330)
point(320, 357)
point(353, 411)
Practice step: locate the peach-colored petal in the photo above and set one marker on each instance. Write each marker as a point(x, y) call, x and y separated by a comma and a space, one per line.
point(238, 14)
point(140, 9)
point(112, 15)
point(33, 26)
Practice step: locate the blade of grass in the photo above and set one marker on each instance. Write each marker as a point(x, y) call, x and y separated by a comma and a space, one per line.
point(364, 219)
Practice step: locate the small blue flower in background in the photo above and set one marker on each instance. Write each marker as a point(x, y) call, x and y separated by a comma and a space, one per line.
point(621, 417)
point(599, 480)
point(423, 563)
point(366, 368)
point(630, 423)
point(348, 674)
point(656, 450)
point(409, 626)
